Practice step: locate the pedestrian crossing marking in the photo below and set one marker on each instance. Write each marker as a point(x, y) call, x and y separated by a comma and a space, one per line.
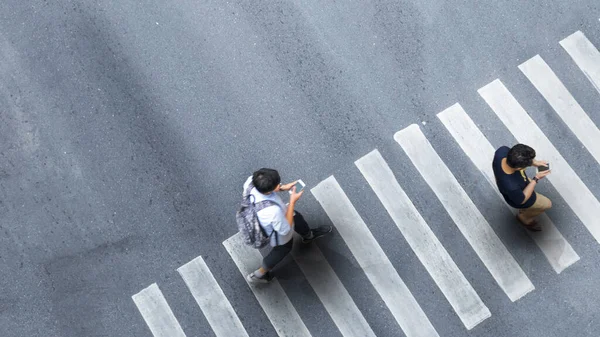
point(271, 297)
point(156, 312)
point(375, 264)
point(210, 298)
point(555, 247)
point(565, 105)
point(371, 258)
point(330, 290)
point(585, 55)
point(458, 291)
point(471, 223)
point(563, 178)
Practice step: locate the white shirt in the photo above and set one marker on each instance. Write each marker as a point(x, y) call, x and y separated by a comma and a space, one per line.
point(272, 218)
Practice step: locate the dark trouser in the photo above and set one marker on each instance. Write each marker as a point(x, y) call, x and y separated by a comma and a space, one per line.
point(278, 253)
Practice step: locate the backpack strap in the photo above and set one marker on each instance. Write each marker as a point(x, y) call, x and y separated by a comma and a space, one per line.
point(248, 190)
point(258, 206)
point(262, 205)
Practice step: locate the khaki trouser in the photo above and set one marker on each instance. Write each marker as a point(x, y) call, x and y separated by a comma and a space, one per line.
point(540, 205)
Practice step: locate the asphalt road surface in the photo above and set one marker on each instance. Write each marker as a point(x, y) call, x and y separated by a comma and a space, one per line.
point(128, 127)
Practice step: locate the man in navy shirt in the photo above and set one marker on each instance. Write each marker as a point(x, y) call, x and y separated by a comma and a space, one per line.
point(509, 168)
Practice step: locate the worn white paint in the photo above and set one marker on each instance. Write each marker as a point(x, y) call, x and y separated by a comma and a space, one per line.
point(330, 290)
point(563, 178)
point(555, 247)
point(375, 264)
point(156, 312)
point(270, 296)
point(458, 291)
point(475, 228)
point(210, 297)
point(585, 55)
point(565, 105)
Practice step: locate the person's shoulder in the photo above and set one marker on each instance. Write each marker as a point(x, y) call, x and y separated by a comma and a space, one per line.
point(247, 182)
point(503, 149)
point(273, 207)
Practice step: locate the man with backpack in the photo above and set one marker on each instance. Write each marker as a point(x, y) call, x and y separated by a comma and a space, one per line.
point(265, 219)
point(517, 189)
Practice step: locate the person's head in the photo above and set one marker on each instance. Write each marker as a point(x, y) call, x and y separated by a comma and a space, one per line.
point(520, 156)
point(266, 180)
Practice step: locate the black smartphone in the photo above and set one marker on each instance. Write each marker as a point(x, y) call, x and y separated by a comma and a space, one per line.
point(543, 168)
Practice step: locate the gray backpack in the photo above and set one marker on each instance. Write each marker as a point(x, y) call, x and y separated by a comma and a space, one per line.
point(247, 220)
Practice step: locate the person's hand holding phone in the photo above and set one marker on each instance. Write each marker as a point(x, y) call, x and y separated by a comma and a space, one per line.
point(287, 187)
point(296, 191)
point(295, 196)
point(543, 166)
point(543, 173)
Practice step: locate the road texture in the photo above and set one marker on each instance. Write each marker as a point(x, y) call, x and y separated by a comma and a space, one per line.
point(128, 127)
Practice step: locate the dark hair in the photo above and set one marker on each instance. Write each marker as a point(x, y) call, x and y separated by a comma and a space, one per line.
point(266, 180)
point(520, 156)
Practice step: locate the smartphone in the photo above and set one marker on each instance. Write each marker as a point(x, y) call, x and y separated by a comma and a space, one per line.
point(299, 186)
point(543, 168)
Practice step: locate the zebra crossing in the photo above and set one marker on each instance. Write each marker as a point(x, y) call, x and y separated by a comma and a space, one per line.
point(272, 299)
point(459, 293)
point(471, 223)
point(372, 259)
point(466, 302)
point(211, 299)
point(555, 247)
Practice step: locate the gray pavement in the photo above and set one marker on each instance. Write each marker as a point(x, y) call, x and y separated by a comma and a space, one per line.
point(127, 129)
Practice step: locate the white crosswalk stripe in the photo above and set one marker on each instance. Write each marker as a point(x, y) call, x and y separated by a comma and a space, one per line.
point(557, 250)
point(385, 279)
point(474, 227)
point(211, 299)
point(157, 313)
point(372, 259)
point(330, 290)
point(585, 55)
point(425, 244)
point(565, 105)
point(563, 178)
point(271, 297)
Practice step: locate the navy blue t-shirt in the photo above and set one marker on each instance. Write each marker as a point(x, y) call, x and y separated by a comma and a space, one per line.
point(511, 186)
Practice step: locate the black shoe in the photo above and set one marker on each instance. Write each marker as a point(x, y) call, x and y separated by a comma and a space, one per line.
point(255, 279)
point(318, 232)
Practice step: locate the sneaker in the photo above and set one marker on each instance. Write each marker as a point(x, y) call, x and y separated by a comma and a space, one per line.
point(318, 232)
point(255, 279)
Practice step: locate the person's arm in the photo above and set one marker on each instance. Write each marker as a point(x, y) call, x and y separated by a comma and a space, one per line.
point(294, 197)
point(528, 191)
point(287, 187)
point(289, 215)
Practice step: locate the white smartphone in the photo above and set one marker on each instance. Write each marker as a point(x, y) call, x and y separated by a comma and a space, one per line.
point(299, 186)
